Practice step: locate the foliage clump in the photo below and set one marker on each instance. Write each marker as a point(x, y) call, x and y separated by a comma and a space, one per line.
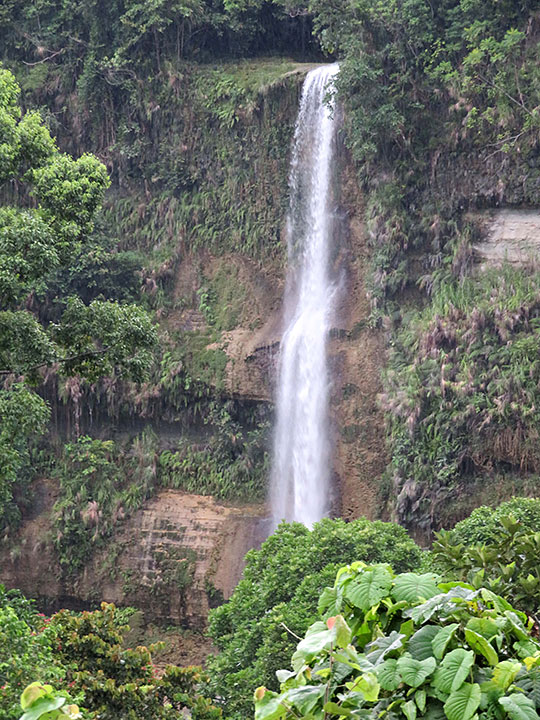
point(461, 394)
point(43, 226)
point(408, 646)
point(276, 600)
point(86, 655)
point(507, 561)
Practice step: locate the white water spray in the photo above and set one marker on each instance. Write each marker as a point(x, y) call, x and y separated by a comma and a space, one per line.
point(300, 475)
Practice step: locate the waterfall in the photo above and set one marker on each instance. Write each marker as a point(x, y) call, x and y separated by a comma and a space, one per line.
point(301, 473)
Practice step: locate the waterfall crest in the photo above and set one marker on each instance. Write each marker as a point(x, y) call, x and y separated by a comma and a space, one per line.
point(300, 474)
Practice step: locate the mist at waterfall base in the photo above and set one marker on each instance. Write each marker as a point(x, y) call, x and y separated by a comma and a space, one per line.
point(301, 464)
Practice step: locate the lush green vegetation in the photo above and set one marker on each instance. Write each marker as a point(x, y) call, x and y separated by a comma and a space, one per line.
point(58, 198)
point(85, 654)
point(462, 389)
point(498, 548)
point(409, 646)
point(193, 124)
point(276, 600)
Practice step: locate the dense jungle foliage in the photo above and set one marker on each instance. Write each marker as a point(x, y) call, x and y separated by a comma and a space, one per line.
point(84, 656)
point(409, 646)
point(114, 317)
point(276, 600)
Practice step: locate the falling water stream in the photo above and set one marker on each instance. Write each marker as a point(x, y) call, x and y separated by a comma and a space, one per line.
point(300, 474)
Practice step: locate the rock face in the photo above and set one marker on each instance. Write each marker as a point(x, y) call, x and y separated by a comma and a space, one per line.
point(181, 553)
point(174, 558)
point(509, 235)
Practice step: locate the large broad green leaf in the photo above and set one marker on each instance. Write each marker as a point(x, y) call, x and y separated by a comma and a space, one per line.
point(484, 626)
point(368, 685)
point(412, 587)
point(42, 706)
point(318, 637)
point(328, 601)
point(369, 588)
point(453, 670)
point(414, 672)
point(268, 705)
point(388, 675)
point(462, 703)
point(530, 683)
point(519, 707)
point(409, 710)
point(516, 624)
point(441, 640)
point(420, 644)
point(505, 673)
point(481, 646)
point(379, 648)
point(305, 698)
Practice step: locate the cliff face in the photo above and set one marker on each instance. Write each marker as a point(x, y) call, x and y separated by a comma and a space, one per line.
point(218, 301)
point(180, 552)
point(174, 558)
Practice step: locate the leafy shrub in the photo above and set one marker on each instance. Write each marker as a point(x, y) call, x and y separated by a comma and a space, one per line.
point(276, 599)
point(484, 523)
point(119, 682)
point(508, 563)
point(25, 651)
point(99, 487)
point(408, 646)
point(231, 465)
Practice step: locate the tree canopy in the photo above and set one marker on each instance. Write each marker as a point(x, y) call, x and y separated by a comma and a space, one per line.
point(48, 207)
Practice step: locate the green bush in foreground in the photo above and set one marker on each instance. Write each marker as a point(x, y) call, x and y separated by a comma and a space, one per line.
point(484, 523)
point(509, 563)
point(276, 601)
point(407, 646)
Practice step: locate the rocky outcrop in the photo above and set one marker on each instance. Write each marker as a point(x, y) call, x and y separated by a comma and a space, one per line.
point(508, 235)
point(173, 559)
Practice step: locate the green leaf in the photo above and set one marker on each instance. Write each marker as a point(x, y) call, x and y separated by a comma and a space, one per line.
point(32, 693)
point(441, 640)
point(420, 699)
point(519, 707)
point(530, 683)
point(379, 648)
point(318, 637)
point(409, 710)
point(388, 675)
point(305, 698)
point(369, 588)
point(484, 626)
point(515, 622)
point(332, 708)
point(420, 644)
point(413, 587)
point(480, 645)
point(453, 670)
point(368, 685)
point(414, 672)
point(505, 673)
point(42, 706)
point(342, 631)
point(284, 675)
point(328, 601)
point(462, 703)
